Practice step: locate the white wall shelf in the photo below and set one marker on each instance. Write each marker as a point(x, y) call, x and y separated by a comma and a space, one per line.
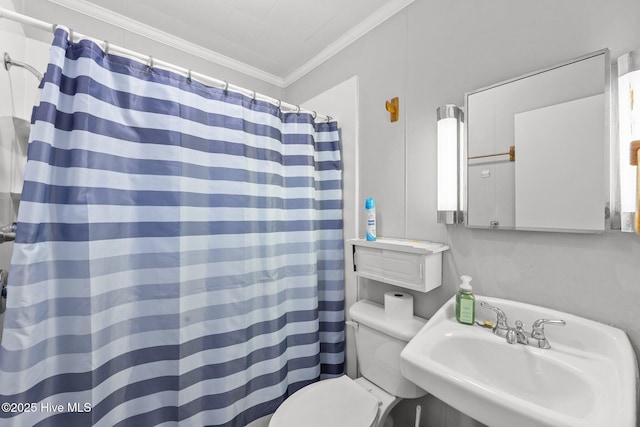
point(410, 264)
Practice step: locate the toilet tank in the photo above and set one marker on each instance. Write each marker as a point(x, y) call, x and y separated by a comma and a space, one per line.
point(379, 341)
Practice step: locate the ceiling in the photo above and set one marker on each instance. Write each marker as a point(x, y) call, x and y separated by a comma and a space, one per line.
point(275, 40)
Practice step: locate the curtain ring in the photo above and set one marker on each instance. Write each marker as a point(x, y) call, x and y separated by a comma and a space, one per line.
point(149, 64)
point(71, 35)
point(189, 75)
point(226, 88)
point(314, 115)
point(329, 118)
point(253, 97)
point(298, 111)
point(106, 48)
point(279, 103)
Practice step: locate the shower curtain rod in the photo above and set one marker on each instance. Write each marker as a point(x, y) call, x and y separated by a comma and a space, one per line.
point(203, 78)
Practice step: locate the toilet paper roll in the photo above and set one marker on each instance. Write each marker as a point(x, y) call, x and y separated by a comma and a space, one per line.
point(398, 305)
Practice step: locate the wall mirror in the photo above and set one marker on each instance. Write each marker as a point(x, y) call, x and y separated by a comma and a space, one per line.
point(538, 149)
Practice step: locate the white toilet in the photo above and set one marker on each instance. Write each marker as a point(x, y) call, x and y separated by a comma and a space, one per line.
point(366, 401)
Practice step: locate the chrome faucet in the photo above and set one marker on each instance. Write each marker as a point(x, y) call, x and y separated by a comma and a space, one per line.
point(518, 335)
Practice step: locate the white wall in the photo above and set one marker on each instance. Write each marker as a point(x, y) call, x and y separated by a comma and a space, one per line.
point(431, 54)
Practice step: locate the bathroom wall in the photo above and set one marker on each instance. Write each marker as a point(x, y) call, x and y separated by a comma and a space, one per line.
point(430, 54)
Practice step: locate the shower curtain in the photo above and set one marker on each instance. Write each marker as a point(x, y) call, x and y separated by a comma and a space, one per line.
point(179, 253)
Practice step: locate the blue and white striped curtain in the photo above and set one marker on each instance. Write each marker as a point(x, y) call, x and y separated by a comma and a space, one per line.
point(179, 254)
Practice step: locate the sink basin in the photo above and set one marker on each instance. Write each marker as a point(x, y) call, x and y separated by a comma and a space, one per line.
point(587, 378)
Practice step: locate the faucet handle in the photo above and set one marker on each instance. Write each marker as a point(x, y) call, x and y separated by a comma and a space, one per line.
point(537, 330)
point(501, 317)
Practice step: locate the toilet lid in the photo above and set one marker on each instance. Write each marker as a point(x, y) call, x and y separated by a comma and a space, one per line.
point(335, 402)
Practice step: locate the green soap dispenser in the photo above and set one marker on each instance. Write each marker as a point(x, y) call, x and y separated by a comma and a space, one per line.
point(465, 302)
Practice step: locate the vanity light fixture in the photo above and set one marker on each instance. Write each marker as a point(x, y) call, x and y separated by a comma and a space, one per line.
point(450, 164)
point(629, 132)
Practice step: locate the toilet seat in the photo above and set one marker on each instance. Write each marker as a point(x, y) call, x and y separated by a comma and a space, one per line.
point(335, 402)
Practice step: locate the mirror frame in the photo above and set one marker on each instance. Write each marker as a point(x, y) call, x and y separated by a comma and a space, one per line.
point(611, 211)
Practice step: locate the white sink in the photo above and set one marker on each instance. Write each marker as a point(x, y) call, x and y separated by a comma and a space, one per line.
point(588, 378)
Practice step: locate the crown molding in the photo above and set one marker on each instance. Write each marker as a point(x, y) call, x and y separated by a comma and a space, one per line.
point(372, 21)
point(112, 18)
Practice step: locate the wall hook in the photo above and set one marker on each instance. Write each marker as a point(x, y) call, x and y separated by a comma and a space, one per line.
point(393, 107)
